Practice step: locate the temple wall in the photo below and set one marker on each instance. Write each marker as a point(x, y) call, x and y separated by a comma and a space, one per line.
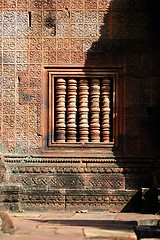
point(40, 34)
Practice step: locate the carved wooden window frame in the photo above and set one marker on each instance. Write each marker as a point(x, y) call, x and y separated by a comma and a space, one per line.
point(81, 148)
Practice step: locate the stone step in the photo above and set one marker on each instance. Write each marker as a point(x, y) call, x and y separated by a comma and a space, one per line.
point(91, 233)
point(147, 232)
point(148, 222)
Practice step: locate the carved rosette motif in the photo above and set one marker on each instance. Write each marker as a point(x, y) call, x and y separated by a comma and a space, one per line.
point(95, 110)
point(83, 95)
point(60, 110)
point(71, 110)
point(105, 94)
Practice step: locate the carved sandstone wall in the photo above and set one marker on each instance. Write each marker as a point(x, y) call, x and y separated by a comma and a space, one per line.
point(38, 34)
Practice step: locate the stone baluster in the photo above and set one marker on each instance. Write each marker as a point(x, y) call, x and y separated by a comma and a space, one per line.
point(71, 110)
point(105, 93)
point(83, 95)
point(95, 110)
point(60, 110)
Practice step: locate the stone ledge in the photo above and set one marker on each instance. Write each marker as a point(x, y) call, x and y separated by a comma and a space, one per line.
point(149, 222)
point(14, 197)
point(10, 196)
point(109, 234)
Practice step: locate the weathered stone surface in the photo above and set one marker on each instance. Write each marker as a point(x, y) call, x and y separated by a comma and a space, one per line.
point(38, 37)
point(110, 234)
point(148, 222)
point(10, 196)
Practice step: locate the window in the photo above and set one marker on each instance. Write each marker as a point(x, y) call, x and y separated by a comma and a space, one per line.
point(80, 107)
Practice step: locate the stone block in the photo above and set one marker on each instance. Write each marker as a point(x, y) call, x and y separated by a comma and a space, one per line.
point(77, 4)
point(8, 83)
point(118, 31)
point(8, 146)
point(9, 17)
point(90, 4)
point(131, 31)
point(91, 17)
point(21, 122)
point(62, 30)
point(90, 30)
point(35, 83)
point(49, 57)
point(76, 44)
point(99, 181)
point(69, 181)
point(9, 56)
point(9, 44)
point(36, 30)
point(36, 16)
point(62, 17)
point(21, 44)
point(63, 44)
point(103, 200)
point(90, 45)
point(35, 57)
point(22, 31)
point(150, 203)
point(49, 32)
point(77, 17)
point(150, 232)
point(21, 57)
point(104, 4)
point(133, 6)
point(109, 234)
point(77, 30)
point(77, 57)
point(34, 70)
point(36, 4)
point(117, 5)
point(91, 58)
point(21, 147)
point(49, 44)
point(15, 24)
point(10, 4)
point(62, 4)
point(10, 196)
point(23, 4)
point(55, 199)
point(35, 44)
point(9, 134)
point(63, 57)
point(21, 134)
point(35, 141)
point(9, 120)
point(49, 4)
point(148, 222)
point(22, 17)
point(2, 172)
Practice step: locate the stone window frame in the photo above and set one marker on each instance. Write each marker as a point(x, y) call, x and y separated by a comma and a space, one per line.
point(80, 148)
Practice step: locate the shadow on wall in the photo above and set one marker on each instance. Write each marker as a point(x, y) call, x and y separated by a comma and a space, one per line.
point(121, 33)
point(129, 37)
point(125, 41)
